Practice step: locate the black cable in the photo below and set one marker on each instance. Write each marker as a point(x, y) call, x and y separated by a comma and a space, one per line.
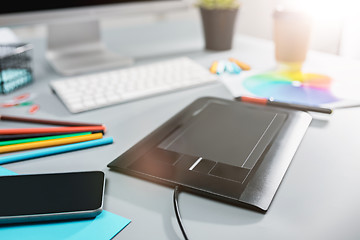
point(177, 211)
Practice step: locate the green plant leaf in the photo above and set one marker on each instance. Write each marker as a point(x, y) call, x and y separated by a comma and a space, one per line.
point(218, 4)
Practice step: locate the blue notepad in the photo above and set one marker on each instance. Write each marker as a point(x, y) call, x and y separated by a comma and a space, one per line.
point(104, 227)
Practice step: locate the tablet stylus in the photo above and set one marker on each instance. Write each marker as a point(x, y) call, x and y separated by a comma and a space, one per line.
point(270, 102)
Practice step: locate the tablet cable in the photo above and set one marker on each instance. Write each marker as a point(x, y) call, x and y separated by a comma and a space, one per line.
point(177, 211)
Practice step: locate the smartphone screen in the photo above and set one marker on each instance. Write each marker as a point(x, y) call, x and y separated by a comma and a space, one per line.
point(51, 194)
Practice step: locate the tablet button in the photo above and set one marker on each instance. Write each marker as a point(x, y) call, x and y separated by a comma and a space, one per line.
point(204, 166)
point(230, 172)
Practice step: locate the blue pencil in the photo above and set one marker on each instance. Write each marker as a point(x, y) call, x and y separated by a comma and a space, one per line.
point(55, 150)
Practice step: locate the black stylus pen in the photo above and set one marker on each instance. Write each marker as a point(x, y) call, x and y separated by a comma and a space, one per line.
point(265, 101)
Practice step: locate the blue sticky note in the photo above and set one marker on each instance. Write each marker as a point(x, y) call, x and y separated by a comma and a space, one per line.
point(6, 172)
point(104, 227)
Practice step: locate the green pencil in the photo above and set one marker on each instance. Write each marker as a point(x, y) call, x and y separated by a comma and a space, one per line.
point(26, 140)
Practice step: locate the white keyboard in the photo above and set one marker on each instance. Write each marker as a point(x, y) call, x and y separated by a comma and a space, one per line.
point(87, 92)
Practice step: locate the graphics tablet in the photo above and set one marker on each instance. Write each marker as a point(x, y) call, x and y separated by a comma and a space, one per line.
point(230, 151)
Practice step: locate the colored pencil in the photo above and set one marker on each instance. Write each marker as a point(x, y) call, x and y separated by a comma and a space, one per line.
point(51, 130)
point(270, 102)
point(26, 140)
point(7, 137)
point(49, 143)
point(54, 150)
point(46, 121)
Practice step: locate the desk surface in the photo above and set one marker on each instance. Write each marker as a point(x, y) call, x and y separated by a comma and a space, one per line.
point(318, 198)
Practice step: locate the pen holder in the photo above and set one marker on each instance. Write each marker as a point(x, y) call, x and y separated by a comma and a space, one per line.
point(15, 66)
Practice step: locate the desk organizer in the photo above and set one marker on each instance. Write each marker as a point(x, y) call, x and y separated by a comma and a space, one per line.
point(15, 66)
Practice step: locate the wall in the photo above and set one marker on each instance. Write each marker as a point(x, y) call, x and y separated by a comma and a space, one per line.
point(255, 19)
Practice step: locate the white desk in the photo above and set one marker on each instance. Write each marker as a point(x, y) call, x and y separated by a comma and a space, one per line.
point(319, 197)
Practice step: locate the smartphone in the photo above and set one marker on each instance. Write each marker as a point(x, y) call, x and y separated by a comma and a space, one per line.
point(51, 197)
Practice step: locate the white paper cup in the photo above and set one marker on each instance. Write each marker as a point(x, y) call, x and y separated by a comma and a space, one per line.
point(291, 34)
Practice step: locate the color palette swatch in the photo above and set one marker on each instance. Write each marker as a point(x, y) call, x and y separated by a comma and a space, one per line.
point(295, 87)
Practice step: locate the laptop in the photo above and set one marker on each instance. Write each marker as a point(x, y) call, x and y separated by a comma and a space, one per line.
point(230, 151)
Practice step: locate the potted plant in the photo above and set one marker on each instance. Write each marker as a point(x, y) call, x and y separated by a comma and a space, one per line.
point(218, 18)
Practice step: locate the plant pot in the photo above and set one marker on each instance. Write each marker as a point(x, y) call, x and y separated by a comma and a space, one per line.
point(218, 25)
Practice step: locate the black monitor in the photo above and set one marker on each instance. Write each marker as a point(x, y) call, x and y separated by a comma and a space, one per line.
point(74, 31)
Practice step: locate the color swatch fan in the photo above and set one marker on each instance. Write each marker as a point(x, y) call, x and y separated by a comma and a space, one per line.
point(295, 87)
point(310, 89)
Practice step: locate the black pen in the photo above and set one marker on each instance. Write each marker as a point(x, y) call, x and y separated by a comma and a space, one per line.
point(270, 102)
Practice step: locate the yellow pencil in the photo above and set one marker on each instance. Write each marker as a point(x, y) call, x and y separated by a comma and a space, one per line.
point(49, 143)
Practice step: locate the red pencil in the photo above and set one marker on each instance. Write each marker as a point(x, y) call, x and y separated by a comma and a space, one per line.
point(51, 130)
